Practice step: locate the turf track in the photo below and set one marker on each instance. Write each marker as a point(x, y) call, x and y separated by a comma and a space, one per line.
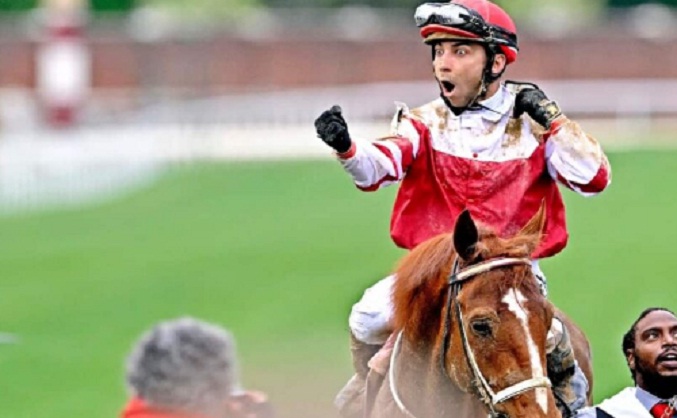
point(278, 252)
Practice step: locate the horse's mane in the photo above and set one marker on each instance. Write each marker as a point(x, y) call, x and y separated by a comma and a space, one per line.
point(420, 287)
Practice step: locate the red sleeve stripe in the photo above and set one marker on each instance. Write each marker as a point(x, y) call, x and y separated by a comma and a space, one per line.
point(407, 149)
point(378, 184)
point(596, 185)
point(389, 178)
point(388, 153)
point(555, 126)
point(348, 154)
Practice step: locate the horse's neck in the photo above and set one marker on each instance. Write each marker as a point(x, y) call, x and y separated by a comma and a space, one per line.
point(426, 391)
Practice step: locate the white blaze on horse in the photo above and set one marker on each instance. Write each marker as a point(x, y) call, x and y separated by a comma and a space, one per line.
point(472, 327)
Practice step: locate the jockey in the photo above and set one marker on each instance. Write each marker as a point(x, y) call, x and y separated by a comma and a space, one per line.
point(496, 148)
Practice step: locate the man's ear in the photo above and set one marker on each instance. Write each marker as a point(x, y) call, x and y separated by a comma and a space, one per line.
point(630, 358)
point(500, 61)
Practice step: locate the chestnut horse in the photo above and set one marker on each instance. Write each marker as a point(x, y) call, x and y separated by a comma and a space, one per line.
point(472, 326)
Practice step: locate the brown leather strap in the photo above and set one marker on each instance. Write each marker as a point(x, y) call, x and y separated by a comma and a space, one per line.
point(373, 385)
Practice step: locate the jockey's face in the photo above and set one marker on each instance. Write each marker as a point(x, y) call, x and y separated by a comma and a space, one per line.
point(654, 358)
point(458, 67)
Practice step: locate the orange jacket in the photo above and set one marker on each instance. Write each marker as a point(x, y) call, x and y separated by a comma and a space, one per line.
point(248, 404)
point(137, 408)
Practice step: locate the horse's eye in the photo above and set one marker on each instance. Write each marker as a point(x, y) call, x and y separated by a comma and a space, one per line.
point(481, 327)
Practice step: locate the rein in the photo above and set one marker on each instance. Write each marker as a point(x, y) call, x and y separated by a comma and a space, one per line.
point(488, 397)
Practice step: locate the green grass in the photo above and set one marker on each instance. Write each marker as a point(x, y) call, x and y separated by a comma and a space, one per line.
point(278, 252)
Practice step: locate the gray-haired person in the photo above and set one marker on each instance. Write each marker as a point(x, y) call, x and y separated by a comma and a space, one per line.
point(187, 368)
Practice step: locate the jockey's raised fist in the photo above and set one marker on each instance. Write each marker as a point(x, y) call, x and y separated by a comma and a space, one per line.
point(333, 129)
point(537, 105)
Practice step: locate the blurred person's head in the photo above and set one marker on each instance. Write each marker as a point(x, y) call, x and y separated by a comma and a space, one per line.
point(472, 43)
point(650, 348)
point(184, 365)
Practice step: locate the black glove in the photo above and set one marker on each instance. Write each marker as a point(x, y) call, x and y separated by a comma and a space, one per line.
point(537, 105)
point(333, 129)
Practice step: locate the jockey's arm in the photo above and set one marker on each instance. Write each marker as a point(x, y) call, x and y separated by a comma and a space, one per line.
point(575, 159)
point(377, 164)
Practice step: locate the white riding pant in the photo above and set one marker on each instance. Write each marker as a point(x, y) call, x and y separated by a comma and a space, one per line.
point(370, 318)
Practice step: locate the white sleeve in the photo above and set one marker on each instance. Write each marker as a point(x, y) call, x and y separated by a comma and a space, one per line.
point(370, 167)
point(383, 162)
point(577, 160)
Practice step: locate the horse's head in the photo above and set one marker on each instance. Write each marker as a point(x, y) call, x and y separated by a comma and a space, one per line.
point(483, 283)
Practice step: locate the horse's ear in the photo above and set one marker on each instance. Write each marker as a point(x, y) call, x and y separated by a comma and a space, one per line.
point(465, 235)
point(536, 223)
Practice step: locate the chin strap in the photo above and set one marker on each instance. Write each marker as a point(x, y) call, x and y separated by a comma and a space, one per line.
point(488, 77)
point(454, 109)
point(472, 105)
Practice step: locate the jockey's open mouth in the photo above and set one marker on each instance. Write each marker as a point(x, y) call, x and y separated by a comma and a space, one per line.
point(447, 86)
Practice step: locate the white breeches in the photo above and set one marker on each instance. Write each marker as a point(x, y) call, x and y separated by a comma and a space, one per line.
point(370, 318)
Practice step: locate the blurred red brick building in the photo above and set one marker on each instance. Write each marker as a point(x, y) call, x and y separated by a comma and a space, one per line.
point(227, 63)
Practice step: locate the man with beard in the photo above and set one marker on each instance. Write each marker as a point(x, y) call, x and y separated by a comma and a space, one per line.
point(650, 349)
point(497, 149)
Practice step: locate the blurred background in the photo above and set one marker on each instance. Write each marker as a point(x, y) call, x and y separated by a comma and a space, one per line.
point(158, 159)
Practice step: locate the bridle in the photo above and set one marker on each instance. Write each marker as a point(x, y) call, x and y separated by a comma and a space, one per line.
point(488, 397)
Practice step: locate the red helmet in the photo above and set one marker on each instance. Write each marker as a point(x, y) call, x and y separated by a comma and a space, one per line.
point(475, 19)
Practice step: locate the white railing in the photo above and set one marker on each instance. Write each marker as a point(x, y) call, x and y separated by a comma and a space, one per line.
point(43, 168)
point(581, 98)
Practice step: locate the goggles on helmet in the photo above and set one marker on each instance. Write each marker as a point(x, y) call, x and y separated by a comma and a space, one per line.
point(460, 17)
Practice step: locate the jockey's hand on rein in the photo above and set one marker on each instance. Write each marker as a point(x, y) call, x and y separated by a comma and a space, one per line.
point(537, 105)
point(333, 129)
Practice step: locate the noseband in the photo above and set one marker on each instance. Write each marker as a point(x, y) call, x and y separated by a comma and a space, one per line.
point(488, 397)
